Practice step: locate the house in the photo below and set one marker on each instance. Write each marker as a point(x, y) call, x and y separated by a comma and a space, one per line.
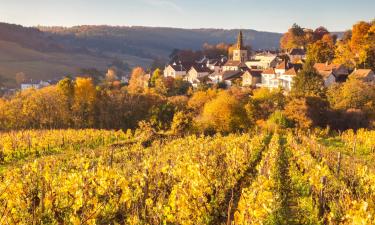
point(228, 77)
point(282, 67)
point(234, 66)
point(282, 76)
point(286, 79)
point(269, 79)
point(197, 72)
point(37, 84)
point(251, 78)
point(262, 61)
point(216, 65)
point(240, 56)
point(296, 54)
point(366, 75)
point(176, 70)
point(231, 77)
point(332, 73)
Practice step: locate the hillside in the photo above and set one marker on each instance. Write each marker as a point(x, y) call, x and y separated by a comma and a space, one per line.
point(151, 42)
point(48, 52)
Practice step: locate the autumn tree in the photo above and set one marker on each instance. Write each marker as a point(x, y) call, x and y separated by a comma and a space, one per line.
point(157, 74)
point(358, 48)
point(294, 38)
point(200, 98)
point(354, 93)
point(307, 112)
point(138, 81)
point(263, 103)
point(182, 122)
point(320, 32)
point(223, 114)
point(321, 50)
point(84, 102)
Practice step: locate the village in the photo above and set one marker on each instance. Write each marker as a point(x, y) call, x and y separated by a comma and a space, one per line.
point(243, 68)
point(263, 69)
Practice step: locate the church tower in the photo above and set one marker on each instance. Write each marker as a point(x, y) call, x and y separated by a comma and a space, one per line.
point(240, 52)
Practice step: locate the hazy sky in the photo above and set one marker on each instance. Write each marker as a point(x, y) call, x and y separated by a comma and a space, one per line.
point(266, 15)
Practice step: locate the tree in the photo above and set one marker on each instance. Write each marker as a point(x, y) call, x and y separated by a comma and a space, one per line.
point(157, 74)
point(353, 94)
point(294, 38)
point(320, 32)
point(321, 51)
point(263, 103)
point(223, 114)
point(344, 55)
point(200, 98)
point(84, 102)
point(95, 75)
point(358, 47)
point(181, 123)
point(308, 82)
point(66, 86)
point(307, 112)
point(138, 81)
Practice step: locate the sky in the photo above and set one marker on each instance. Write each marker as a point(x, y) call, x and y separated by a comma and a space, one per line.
point(262, 15)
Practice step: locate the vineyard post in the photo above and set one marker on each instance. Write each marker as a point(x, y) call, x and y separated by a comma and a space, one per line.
point(322, 202)
point(338, 164)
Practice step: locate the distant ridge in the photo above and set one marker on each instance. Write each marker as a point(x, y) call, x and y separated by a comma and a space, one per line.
point(46, 52)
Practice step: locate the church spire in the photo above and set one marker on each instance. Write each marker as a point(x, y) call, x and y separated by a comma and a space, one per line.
point(240, 41)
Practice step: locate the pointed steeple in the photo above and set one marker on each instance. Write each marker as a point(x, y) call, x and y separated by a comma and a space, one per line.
point(240, 41)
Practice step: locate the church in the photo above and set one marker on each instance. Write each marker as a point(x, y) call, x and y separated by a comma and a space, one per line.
point(239, 58)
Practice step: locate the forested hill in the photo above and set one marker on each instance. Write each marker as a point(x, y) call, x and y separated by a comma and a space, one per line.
point(151, 42)
point(50, 52)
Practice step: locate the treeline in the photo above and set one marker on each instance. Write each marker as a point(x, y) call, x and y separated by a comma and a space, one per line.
point(167, 104)
point(355, 49)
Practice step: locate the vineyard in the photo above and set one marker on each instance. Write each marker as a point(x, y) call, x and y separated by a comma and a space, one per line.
point(108, 177)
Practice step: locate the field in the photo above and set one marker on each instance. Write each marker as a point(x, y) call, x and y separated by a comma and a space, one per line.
point(51, 65)
point(115, 177)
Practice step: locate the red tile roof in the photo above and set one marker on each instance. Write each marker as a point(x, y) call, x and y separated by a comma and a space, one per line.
point(269, 71)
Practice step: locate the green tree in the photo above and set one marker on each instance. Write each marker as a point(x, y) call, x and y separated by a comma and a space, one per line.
point(308, 82)
point(156, 75)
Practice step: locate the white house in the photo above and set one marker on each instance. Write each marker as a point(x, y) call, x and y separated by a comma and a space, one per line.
point(175, 70)
point(196, 73)
point(268, 78)
point(262, 61)
point(286, 79)
point(282, 76)
point(34, 84)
